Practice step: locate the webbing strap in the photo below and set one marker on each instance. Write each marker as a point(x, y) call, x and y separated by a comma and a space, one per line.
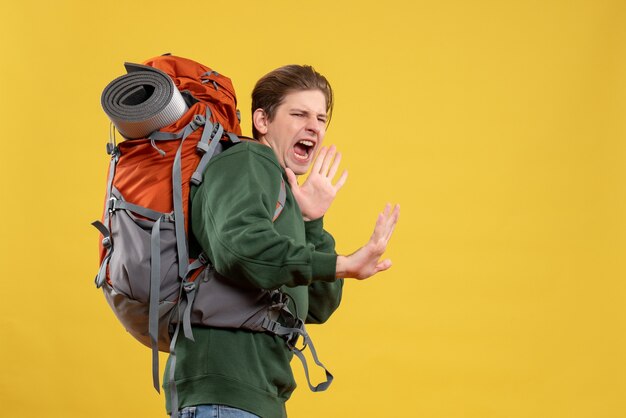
point(102, 271)
point(190, 291)
point(106, 243)
point(104, 231)
point(206, 133)
point(282, 196)
point(116, 204)
point(329, 377)
point(112, 164)
point(233, 137)
point(211, 150)
point(289, 334)
point(153, 309)
point(195, 265)
point(168, 136)
point(171, 377)
point(179, 216)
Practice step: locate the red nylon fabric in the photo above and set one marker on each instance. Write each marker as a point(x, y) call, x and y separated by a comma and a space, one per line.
point(144, 176)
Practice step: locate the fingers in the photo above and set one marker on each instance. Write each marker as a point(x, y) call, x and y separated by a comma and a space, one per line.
point(327, 162)
point(378, 227)
point(319, 160)
point(385, 225)
point(336, 161)
point(383, 265)
point(328, 158)
point(342, 180)
point(392, 220)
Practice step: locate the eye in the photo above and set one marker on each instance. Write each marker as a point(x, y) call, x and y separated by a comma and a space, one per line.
point(298, 114)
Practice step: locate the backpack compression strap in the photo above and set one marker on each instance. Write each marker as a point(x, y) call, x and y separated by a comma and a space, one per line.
point(291, 334)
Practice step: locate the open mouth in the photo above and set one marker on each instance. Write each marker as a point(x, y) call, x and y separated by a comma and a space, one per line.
point(303, 149)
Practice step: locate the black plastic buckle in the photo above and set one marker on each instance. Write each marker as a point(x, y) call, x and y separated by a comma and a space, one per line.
point(112, 149)
point(216, 128)
point(111, 204)
point(203, 259)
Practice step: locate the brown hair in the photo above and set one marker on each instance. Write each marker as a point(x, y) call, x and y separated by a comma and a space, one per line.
point(270, 91)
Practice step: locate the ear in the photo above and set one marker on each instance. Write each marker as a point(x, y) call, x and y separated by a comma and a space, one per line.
point(259, 118)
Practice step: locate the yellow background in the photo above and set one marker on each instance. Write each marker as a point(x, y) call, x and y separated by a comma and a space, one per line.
point(498, 125)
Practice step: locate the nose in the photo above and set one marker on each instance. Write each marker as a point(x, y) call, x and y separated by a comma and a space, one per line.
point(313, 126)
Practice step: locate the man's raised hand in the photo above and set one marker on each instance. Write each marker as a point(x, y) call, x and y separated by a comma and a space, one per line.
point(318, 191)
point(365, 262)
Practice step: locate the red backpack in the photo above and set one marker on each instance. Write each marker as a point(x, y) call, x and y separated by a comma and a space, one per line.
point(175, 115)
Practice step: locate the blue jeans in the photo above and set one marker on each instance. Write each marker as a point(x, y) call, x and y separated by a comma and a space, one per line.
point(214, 411)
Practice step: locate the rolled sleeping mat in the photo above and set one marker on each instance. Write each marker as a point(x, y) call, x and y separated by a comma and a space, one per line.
point(142, 101)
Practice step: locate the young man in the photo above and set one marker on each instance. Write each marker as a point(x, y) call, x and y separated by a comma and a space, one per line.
point(236, 373)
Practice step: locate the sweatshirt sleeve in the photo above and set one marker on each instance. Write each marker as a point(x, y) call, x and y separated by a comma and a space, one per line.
point(324, 297)
point(232, 221)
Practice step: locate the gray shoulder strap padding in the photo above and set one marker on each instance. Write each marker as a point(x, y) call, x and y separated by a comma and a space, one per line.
point(282, 196)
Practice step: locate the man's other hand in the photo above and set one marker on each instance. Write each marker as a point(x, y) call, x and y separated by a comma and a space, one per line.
point(365, 262)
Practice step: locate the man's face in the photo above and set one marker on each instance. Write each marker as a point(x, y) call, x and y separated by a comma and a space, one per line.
point(297, 130)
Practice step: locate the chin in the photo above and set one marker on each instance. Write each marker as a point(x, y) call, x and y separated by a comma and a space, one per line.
point(299, 170)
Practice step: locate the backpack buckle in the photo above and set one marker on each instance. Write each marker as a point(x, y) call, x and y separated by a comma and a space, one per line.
point(197, 121)
point(189, 286)
point(271, 326)
point(203, 259)
point(111, 204)
point(292, 339)
point(112, 149)
point(106, 242)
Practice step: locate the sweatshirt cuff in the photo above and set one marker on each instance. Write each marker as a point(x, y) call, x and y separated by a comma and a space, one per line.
point(314, 229)
point(324, 267)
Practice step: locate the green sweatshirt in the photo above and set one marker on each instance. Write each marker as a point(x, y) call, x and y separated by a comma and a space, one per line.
point(232, 221)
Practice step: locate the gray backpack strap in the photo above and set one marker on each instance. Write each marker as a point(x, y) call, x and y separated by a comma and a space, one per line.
point(190, 295)
point(291, 334)
point(210, 148)
point(153, 306)
point(201, 261)
point(117, 204)
point(179, 216)
point(113, 151)
point(155, 260)
point(189, 288)
point(233, 138)
point(107, 244)
point(196, 122)
point(181, 247)
point(329, 377)
point(282, 196)
point(171, 377)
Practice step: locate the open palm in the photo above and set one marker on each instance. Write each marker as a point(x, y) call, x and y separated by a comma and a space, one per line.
point(318, 191)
